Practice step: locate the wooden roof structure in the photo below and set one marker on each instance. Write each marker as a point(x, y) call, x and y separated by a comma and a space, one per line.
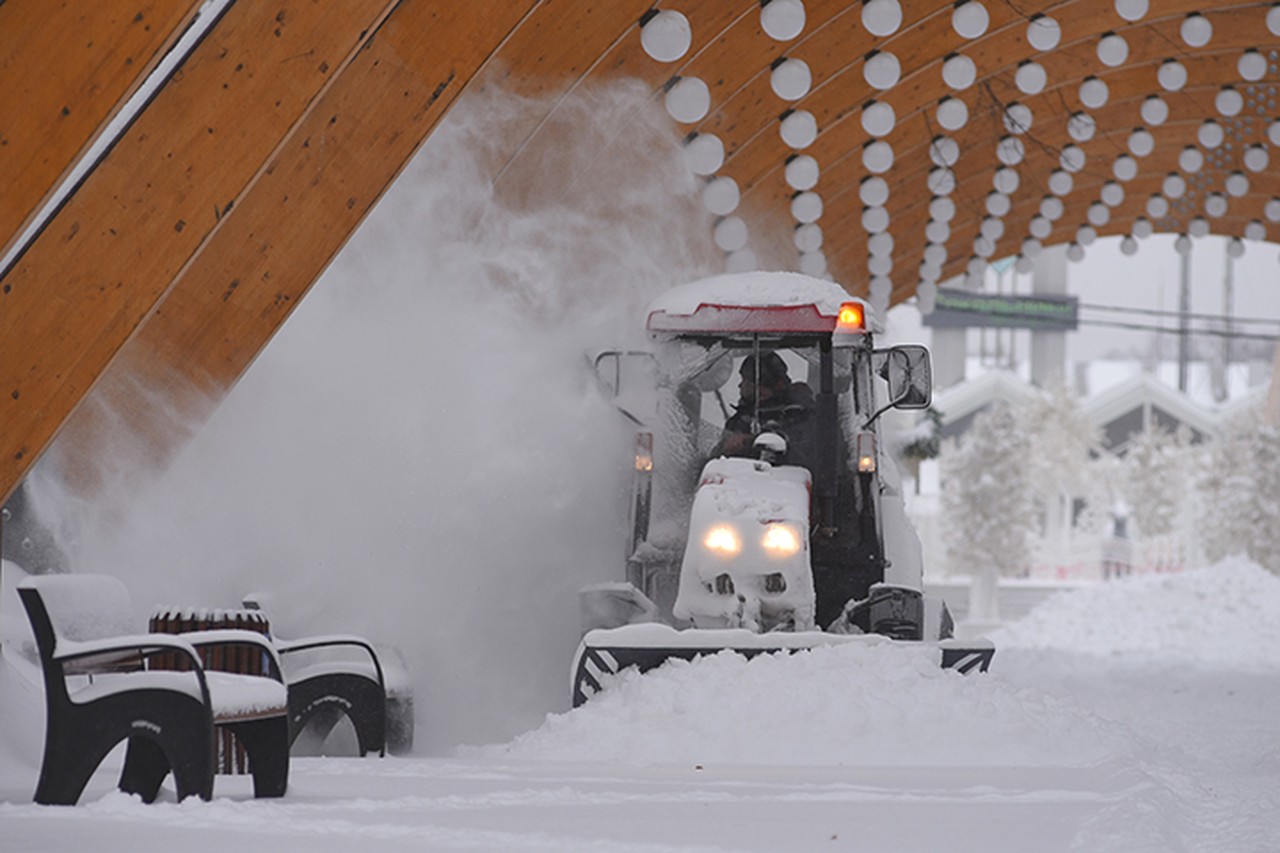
point(898, 144)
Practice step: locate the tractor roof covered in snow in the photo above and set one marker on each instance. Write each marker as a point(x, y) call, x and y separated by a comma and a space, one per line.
point(758, 303)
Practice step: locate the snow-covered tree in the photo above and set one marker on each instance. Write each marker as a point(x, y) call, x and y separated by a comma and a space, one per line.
point(1156, 477)
point(1064, 457)
point(1240, 493)
point(989, 506)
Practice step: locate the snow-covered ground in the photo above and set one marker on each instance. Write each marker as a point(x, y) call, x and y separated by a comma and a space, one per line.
point(1138, 715)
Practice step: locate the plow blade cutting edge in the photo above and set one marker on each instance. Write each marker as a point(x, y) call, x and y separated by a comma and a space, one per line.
point(606, 652)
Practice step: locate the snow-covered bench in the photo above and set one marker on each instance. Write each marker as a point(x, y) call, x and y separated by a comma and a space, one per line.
point(100, 690)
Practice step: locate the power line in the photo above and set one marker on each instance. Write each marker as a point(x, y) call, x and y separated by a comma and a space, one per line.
point(1223, 318)
point(1221, 333)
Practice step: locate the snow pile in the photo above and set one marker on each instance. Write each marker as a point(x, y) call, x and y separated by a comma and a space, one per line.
point(1224, 615)
point(848, 705)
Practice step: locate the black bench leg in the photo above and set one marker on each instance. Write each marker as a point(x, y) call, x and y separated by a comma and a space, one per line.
point(147, 762)
point(267, 744)
point(65, 770)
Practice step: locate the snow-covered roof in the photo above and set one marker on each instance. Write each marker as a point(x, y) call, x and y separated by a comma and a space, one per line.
point(959, 403)
point(725, 303)
point(1141, 392)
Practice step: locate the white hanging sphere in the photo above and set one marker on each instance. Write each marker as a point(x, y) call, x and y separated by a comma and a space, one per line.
point(1198, 227)
point(1061, 182)
point(1010, 151)
point(879, 265)
point(983, 247)
point(1075, 252)
point(1237, 185)
point(882, 70)
point(1155, 111)
point(1229, 102)
point(1273, 133)
point(998, 204)
point(808, 237)
point(1005, 180)
point(976, 267)
point(930, 273)
point(1040, 227)
point(1094, 93)
point(935, 253)
point(880, 244)
point(1043, 32)
point(873, 191)
point(1072, 158)
point(799, 129)
point(731, 234)
point(875, 219)
point(1112, 194)
point(801, 172)
point(959, 72)
point(1125, 168)
point(952, 113)
point(1157, 207)
point(1085, 235)
point(1174, 186)
point(992, 228)
point(877, 157)
point(1235, 248)
point(1017, 118)
point(743, 260)
point(688, 100)
point(1142, 228)
point(1172, 75)
point(1273, 20)
point(704, 154)
point(720, 196)
point(1191, 160)
point(806, 207)
point(1252, 66)
point(1129, 246)
point(937, 232)
point(1030, 78)
point(944, 151)
point(1031, 247)
point(1256, 158)
point(666, 36)
point(880, 288)
point(1196, 30)
point(1215, 204)
point(791, 80)
point(1081, 127)
point(1113, 50)
point(1141, 143)
point(969, 18)
point(1255, 231)
point(882, 17)
point(782, 20)
point(942, 181)
point(1272, 210)
point(1210, 134)
point(942, 209)
point(1023, 264)
point(814, 264)
point(1098, 214)
point(878, 118)
point(1131, 10)
point(1052, 208)
point(926, 295)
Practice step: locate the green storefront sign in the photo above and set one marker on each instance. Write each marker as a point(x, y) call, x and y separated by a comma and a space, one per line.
point(955, 309)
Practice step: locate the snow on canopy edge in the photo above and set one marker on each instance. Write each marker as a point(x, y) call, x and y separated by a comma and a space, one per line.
point(755, 289)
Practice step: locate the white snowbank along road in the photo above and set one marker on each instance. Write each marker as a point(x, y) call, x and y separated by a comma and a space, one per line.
point(779, 525)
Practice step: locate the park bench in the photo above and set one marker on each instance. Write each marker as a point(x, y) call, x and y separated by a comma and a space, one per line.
point(104, 685)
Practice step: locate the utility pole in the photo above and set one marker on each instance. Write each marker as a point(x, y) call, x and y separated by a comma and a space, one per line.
point(1184, 308)
point(1228, 297)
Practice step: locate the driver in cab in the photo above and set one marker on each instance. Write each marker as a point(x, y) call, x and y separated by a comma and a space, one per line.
point(768, 401)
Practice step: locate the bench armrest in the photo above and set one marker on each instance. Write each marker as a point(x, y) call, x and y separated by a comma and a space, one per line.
point(236, 637)
point(329, 641)
point(67, 652)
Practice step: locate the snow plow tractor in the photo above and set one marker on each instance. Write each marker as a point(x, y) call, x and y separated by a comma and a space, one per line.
point(778, 523)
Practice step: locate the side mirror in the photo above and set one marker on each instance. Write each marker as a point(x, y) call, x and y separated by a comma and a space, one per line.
point(910, 377)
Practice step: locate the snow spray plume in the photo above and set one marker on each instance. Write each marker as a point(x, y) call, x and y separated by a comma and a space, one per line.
point(421, 455)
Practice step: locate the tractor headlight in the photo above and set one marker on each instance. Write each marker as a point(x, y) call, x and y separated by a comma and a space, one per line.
point(723, 541)
point(780, 540)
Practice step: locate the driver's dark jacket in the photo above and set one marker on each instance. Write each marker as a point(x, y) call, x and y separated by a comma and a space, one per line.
point(788, 411)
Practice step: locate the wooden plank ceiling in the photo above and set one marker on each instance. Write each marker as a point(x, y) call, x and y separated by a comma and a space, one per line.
point(889, 145)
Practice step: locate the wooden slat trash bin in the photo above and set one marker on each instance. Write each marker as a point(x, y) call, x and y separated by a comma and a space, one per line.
point(242, 660)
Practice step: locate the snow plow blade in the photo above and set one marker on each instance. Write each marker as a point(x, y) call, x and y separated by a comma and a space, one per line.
point(605, 652)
